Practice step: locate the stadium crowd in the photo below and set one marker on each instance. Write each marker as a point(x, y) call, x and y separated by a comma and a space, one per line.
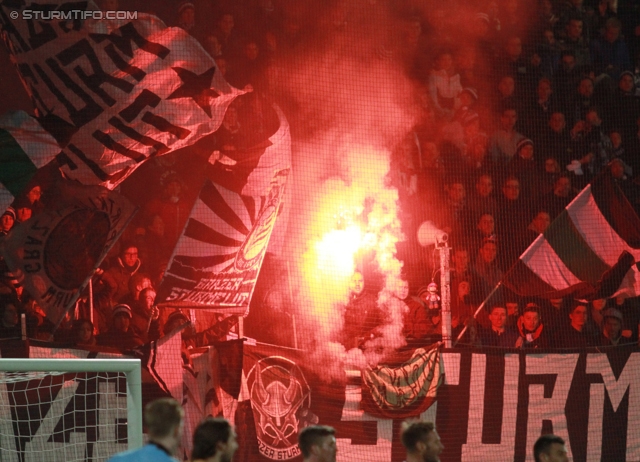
point(521, 104)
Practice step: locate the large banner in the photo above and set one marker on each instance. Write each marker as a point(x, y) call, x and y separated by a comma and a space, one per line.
point(54, 253)
point(490, 406)
point(494, 406)
point(218, 256)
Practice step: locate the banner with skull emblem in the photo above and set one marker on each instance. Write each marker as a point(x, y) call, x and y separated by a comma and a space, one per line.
point(281, 396)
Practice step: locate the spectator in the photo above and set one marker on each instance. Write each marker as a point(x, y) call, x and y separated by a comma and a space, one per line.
point(550, 175)
point(121, 334)
point(486, 267)
point(482, 199)
point(154, 246)
point(524, 167)
point(533, 333)
point(116, 278)
point(212, 45)
point(163, 420)
point(228, 36)
point(214, 440)
point(612, 329)
point(464, 289)
point(33, 196)
point(362, 315)
point(566, 78)
point(574, 334)
point(9, 317)
point(556, 140)
point(513, 210)
point(499, 334)
point(23, 209)
point(145, 316)
point(422, 442)
point(610, 53)
point(583, 100)
point(506, 96)
point(423, 320)
point(537, 113)
point(187, 16)
point(549, 50)
point(173, 207)
point(137, 282)
point(513, 62)
point(625, 111)
point(484, 229)
point(561, 196)
point(575, 42)
point(82, 333)
point(592, 147)
point(444, 85)
point(7, 220)
point(505, 139)
point(248, 68)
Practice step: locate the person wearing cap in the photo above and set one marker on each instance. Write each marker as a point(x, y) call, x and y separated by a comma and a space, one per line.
point(533, 333)
point(23, 209)
point(7, 220)
point(120, 334)
point(612, 322)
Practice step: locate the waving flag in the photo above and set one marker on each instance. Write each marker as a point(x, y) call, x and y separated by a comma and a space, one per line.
point(24, 148)
point(589, 250)
point(113, 93)
point(54, 253)
point(219, 254)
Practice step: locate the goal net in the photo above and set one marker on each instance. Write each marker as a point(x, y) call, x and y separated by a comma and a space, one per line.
point(69, 410)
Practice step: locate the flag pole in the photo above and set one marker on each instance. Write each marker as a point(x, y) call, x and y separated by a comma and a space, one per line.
point(478, 310)
point(293, 316)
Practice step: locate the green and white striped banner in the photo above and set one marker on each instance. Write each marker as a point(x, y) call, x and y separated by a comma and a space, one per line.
point(580, 253)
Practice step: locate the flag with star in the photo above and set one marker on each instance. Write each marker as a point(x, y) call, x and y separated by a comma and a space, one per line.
point(113, 93)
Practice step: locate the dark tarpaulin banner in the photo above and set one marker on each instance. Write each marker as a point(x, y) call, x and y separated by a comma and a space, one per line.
point(216, 261)
point(494, 405)
point(55, 253)
point(491, 406)
point(280, 396)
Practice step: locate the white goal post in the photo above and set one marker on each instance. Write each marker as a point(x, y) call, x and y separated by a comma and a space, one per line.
point(69, 409)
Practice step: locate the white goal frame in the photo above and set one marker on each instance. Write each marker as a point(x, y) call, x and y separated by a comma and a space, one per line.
point(131, 368)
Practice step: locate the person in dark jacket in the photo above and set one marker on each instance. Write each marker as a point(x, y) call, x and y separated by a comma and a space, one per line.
point(121, 334)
